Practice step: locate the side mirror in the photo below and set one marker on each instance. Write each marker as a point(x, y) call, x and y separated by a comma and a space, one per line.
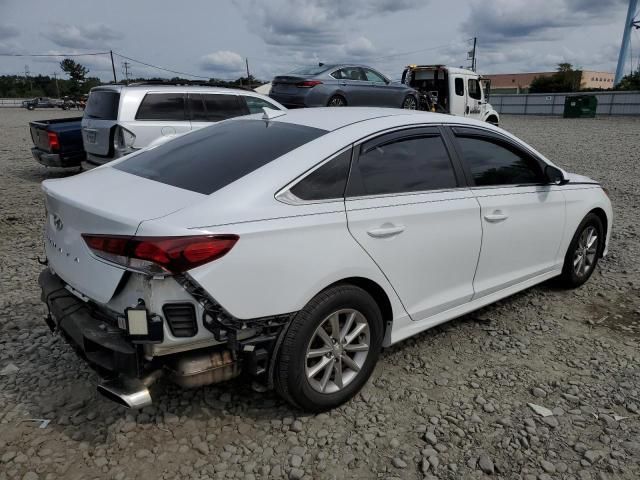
point(554, 175)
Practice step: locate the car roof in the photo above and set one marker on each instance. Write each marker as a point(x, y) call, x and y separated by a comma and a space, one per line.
point(158, 87)
point(333, 118)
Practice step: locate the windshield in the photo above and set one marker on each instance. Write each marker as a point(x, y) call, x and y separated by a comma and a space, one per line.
point(312, 70)
point(211, 158)
point(103, 105)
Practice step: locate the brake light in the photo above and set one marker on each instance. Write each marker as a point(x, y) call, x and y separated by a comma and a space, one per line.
point(308, 84)
point(54, 144)
point(160, 255)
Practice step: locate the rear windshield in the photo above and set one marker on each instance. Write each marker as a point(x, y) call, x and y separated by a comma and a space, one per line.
point(102, 105)
point(211, 158)
point(311, 70)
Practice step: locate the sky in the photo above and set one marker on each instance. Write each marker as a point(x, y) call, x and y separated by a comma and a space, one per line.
point(213, 38)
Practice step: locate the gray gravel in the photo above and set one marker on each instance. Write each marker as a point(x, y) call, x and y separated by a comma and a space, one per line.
point(450, 403)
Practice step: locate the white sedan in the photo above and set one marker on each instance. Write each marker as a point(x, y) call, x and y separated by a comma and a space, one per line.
point(294, 246)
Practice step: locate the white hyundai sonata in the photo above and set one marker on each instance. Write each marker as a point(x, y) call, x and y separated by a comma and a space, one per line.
point(294, 246)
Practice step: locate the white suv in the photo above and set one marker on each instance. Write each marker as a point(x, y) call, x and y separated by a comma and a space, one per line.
point(120, 119)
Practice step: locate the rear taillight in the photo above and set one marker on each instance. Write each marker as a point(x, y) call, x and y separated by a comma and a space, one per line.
point(54, 143)
point(123, 140)
point(308, 83)
point(160, 255)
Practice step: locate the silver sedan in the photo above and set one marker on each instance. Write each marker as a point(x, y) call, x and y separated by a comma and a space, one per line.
point(340, 86)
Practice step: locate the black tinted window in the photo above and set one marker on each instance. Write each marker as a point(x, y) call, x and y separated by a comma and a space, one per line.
point(196, 106)
point(220, 107)
point(459, 86)
point(102, 105)
point(474, 89)
point(327, 182)
point(256, 104)
point(493, 164)
point(209, 159)
point(404, 165)
point(162, 106)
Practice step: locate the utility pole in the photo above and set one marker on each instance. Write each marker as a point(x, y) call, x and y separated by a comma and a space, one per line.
point(473, 54)
point(629, 23)
point(26, 74)
point(113, 67)
point(246, 61)
point(55, 75)
point(126, 66)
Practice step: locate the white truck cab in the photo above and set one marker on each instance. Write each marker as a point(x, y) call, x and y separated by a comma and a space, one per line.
point(457, 91)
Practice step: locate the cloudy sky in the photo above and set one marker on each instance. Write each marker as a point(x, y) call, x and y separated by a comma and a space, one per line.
point(212, 38)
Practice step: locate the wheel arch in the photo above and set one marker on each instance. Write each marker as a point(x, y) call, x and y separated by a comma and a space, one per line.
point(601, 214)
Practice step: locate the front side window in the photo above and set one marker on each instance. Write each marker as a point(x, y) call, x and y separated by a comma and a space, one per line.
point(256, 104)
point(220, 107)
point(494, 164)
point(327, 182)
point(474, 89)
point(373, 76)
point(162, 106)
point(408, 164)
point(459, 86)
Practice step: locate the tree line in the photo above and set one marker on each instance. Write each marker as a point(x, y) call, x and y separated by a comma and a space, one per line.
point(568, 79)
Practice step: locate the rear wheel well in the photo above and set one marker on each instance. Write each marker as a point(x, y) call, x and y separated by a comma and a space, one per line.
point(605, 224)
point(376, 292)
point(492, 119)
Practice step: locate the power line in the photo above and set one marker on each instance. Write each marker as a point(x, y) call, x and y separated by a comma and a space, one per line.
point(160, 68)
point(52, 54)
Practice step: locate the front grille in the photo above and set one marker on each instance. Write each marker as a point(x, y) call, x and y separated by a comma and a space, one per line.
point(181, 318)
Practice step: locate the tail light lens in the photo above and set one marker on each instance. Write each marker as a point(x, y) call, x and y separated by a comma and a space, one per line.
point(54, 143)
point(308, 84)
point(123, 140)
point(160, 255)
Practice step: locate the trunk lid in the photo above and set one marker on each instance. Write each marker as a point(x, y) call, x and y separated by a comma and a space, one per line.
point(99, 121)
point(287, 83)
point(101, 201)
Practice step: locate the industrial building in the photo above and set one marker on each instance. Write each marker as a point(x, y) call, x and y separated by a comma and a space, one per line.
point(504, 83)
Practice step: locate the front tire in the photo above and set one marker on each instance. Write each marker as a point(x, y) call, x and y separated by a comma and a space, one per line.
point(583, 252)
point(330, 349)
point(337, 101)
point(410, 103)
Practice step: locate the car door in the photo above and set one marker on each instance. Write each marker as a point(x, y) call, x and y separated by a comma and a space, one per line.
point(522, 214)
point(458, 95)
point(475, 104)
point(378, 93)
point(409, 210)
point(352, 83)
point(160, 114)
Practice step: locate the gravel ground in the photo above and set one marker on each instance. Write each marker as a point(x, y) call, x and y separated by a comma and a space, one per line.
point(450, 403)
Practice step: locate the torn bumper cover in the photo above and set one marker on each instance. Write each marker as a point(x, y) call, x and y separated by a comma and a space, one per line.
point(101, 343)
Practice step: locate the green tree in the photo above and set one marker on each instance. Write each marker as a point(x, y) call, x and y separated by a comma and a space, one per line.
point(565, 79)
point(630, 82)
point(77, 74)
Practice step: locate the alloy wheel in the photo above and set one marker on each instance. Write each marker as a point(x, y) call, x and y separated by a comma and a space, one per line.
point(409, 103)
point(336, 102)
point(586, 251)
point(337, 351)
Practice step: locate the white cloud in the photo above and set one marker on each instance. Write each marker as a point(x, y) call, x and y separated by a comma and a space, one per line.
point(98, 36)
point(223, 62)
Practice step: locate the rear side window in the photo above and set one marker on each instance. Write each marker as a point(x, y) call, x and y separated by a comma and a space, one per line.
point(408, 164)
point(102, 105)
point(327, 182)
point(162, 106)
point(211, 158)
point(220, 107)
point(494, 164)
point(459, 86)
point(256, 104)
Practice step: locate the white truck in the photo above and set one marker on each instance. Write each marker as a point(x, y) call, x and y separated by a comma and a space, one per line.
point(456, 91)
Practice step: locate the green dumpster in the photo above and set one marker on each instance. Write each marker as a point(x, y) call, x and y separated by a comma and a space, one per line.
point(580, 106)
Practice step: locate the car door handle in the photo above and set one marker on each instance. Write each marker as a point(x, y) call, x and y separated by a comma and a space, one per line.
point(386, 231)
point(496, 217)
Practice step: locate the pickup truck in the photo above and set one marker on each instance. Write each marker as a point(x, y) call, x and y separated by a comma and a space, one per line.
point(58, 142)
point(46, 102)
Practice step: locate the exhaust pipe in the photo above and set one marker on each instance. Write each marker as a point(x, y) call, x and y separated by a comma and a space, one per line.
point(130, 392)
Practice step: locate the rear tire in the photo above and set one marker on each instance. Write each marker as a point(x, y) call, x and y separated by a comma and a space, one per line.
point(493, 121)
point(337, 101)
point(330, 349)
point(583, 252)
